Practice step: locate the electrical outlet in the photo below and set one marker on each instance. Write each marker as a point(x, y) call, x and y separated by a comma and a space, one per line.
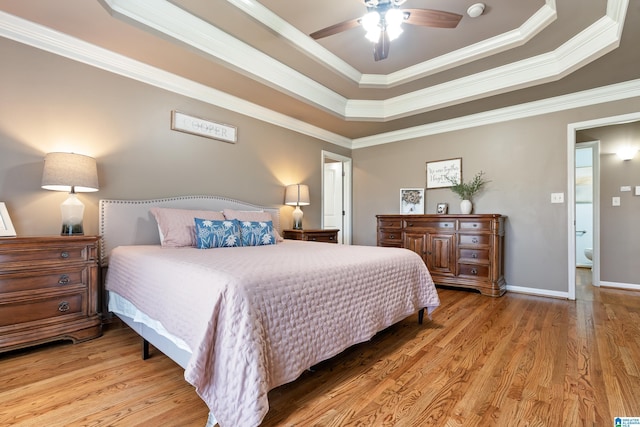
point(615, 201)
point(557, 197)
point(637, 190)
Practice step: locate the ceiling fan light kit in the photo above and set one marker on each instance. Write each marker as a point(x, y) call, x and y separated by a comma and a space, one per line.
point(383, 23)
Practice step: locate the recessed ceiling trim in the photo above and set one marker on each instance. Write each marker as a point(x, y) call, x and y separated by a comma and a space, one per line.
point(40, 37)
point(165, 17)
point(540, 20)
point(611, 93)
point(595, 41)
point(179, 24)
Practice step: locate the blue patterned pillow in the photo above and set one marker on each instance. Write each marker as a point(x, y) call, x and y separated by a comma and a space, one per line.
point(217, 234)
point(257, 233)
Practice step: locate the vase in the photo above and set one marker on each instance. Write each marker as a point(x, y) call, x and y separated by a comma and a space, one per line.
point(466, 207)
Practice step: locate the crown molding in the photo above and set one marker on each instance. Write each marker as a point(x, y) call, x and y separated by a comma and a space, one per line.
point(611, 93)
point(43, 38)
point(593, 42)
point(40, 37)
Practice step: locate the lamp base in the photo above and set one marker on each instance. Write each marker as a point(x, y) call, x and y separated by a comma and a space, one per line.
point(72, 211)
point(297, 218)
point(72, 230)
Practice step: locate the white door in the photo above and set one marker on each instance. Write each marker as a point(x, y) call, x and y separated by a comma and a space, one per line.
point(333, 197)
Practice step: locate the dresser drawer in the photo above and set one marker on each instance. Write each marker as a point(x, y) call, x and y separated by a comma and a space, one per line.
point(474, 239)
point(474, 225)
point(44, 279)
point(430, 223)
point(473, 270)
point(63, 254)
point(390, 223)
point(473, 255)
point(387, 236)
point(17, 312)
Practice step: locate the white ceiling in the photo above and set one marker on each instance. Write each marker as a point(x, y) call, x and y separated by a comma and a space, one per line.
point(251, 55)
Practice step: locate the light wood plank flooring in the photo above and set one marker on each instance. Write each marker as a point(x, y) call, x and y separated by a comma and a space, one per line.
point(509, 361)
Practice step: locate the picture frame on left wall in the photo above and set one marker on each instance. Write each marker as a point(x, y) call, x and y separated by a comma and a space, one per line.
point(6, 227)
point(412, 201)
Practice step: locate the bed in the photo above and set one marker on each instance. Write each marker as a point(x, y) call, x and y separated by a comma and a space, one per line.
point(243, 320)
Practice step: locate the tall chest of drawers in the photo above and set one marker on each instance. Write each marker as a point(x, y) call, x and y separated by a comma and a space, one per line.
point(459, 250)
point(48, 290)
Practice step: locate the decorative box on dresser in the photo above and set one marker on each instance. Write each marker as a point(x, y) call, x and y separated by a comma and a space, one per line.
point(48, 290)
point(459, 250)
point(323, 235)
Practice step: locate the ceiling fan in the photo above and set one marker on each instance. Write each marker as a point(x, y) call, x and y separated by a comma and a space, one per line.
point(383, 23)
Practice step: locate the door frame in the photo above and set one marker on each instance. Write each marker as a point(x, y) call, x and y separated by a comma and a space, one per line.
point(346, 191)
point(572, 128)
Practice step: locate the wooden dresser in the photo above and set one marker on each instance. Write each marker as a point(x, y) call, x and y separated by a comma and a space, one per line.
point(48, 290)
point(326, 235)
point(459, 250)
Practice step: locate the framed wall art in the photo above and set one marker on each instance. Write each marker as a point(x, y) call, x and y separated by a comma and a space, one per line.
point(6, 227)
point(412, 200)
point(441, 173)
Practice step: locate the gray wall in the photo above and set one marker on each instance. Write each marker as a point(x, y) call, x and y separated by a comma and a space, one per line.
point(526, 161)
point(49, 103)
point(619, 226)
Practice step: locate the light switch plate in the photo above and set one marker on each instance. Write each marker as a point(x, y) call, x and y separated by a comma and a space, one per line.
point(637, 190)
point(557, 197)
point(615, 201)
point(625, 188)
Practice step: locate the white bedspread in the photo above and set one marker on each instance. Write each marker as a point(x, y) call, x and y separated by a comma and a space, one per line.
point(257, 317)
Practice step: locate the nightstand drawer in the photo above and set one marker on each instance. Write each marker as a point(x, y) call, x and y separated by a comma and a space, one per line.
point(63, 254)
point(44, 279)
point(329, 237)
point(17, 312)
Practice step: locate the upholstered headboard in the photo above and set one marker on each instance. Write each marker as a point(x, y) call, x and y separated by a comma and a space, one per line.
point(129, 222)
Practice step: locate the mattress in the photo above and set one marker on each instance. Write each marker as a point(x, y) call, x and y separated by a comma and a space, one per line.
point(254, 318)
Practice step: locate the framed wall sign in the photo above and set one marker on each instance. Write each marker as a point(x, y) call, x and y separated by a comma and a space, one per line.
point(6, 227)
point(440, 173)
point(412, 200)
point(201, 127)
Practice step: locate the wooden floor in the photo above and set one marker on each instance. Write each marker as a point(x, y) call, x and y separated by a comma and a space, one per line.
point(511, 361)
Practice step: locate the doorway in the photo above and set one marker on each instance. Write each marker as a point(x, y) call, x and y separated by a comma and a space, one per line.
point(573, 128)
point(336, 195)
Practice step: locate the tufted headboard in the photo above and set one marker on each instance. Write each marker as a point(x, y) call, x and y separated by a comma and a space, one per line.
point(129, 222)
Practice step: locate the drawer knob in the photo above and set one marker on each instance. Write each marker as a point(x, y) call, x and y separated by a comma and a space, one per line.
point(64, 254)
point(64, 280)
point(475, 225)
point(63, 306)
point(331, 238)
point(474, 255)
point(474, 240)
point(410, 224)
point(474, 271)
point(313, 238)
point(392, 236)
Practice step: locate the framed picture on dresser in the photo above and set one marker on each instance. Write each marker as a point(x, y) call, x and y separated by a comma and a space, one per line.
point(6, 227)
point(412, 200)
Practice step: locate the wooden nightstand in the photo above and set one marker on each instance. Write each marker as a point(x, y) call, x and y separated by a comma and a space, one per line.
point(48, 290)
point(328, 236)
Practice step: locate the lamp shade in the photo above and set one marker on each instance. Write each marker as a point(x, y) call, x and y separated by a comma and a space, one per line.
point(69, 172)
point(297, 195)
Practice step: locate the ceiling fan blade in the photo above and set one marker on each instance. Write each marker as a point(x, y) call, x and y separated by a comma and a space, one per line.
point(335, 29)
point(381, 49)
point(432, 18)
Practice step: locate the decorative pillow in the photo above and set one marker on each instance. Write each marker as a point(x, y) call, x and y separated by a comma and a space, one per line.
point(252, 216)
point(176, 226)
point(217, 234)
point(257, 233)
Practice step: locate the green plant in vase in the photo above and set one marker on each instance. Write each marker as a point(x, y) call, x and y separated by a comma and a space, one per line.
point(467, 190)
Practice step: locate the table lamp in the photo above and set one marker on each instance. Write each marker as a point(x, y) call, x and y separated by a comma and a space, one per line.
point(74, 173)
point(297, 195)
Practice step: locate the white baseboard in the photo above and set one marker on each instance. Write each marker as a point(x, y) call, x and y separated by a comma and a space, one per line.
point(538, 292)
point(620, 285)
